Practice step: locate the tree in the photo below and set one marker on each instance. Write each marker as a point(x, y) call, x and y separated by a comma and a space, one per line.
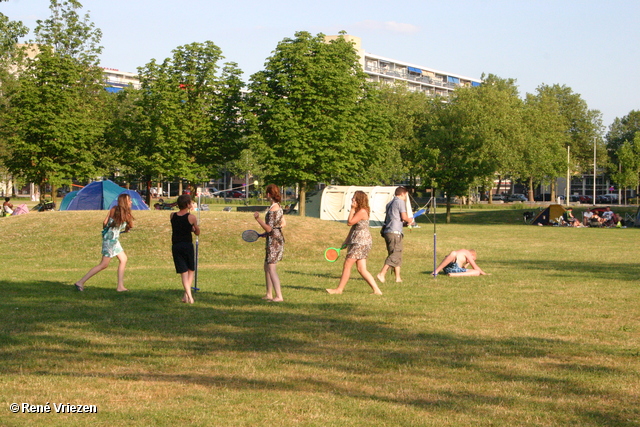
point(469, 138)
point(191, 118)
point(581, 124)
point(313, 113)
point(10, 61)
point(407, 111)
point(56, 119)
point(545, 141)
point(628, 155)
point(623, 130)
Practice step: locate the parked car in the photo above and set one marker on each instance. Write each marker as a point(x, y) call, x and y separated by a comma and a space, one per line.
point(517, 198)
point(585, 199)
point(606, 199)
point(231, 194)
point(497, 197)
point(546, 197)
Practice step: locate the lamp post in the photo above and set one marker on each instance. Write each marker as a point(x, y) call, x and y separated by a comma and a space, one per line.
point(566, 198)
point(594, 170)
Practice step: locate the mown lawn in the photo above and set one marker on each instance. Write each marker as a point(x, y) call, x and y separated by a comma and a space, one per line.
point(550, 338)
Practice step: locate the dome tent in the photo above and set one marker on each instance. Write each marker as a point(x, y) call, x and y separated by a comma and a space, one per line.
point(102, 195)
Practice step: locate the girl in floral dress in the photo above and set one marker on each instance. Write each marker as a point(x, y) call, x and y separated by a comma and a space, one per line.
point(119, 220)
point(359, 243)
point(273, 222)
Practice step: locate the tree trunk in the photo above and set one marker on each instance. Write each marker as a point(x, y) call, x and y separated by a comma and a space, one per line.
point(448, 220)
point(302, 200)
point(148, 195)
point(53, 193)
point(530, 195)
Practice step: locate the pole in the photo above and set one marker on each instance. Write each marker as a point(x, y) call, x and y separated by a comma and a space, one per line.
point(435, 240)
point(195, 287)
point(594, 170)
point(566, 199)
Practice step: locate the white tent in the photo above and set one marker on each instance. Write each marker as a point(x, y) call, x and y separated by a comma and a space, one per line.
point(335, 202)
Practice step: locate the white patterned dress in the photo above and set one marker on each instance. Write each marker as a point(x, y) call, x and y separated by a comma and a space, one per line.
point(111, 239)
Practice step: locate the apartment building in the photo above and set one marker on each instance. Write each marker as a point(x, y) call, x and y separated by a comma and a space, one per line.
point(116, 80)
point(416, 77)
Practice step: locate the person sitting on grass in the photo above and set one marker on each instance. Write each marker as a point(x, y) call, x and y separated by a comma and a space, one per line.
point(7, 207)
point(455, 264)
point(571, 220)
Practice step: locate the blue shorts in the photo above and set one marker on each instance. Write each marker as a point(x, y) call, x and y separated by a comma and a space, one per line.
point(453, 268)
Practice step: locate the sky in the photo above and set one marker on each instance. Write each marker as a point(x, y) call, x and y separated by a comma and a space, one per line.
point(593, 47)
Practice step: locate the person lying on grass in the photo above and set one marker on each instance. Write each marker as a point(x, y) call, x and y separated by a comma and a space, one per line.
point(457, 262)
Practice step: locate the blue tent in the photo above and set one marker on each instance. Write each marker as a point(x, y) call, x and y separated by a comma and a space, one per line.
point(137, 204)
point(102, 195)
point(67, 199)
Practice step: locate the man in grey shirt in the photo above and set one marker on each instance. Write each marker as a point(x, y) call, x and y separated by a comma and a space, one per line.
point(396, 216)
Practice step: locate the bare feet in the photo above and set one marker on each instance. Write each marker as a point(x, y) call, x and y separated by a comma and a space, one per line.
point(267, 297)
point(79, 287)
point(380, 277)
point(276, 300)
point(187, 300)
point(334, 291)
point(122, 289)
point(377, 292)
point(398, 280)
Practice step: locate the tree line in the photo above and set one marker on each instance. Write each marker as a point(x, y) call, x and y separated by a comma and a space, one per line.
point(309, 117)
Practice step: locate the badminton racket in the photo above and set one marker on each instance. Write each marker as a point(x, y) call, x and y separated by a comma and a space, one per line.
point(251, 235)
point(332, 254)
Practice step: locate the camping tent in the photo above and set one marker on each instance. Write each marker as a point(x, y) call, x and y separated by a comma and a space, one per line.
point(137, 204)
point(335, 203)
point(21, 210)
point(100, 195)
point(548, 215)
point(67, 199)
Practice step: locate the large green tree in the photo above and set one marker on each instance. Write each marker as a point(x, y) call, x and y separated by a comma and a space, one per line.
point(10, 62)
point(545, 140)
point(472, 136)
point(623, 130)
point(313, 115)
point(190, 116)
point(56, 119)
point(407, 111)
point(627, 174)
point(582, 124)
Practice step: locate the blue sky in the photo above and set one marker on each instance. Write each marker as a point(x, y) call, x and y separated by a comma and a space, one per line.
point(590, 46)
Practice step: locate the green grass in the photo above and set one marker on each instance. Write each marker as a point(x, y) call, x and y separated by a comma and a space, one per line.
point(550, 338)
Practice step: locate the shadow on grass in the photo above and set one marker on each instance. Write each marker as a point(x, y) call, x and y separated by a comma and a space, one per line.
point(590, 270)
point(51, 329)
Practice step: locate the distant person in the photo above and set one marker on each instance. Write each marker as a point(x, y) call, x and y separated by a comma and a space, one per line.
point(118, 220)
point(395, 218)
point(568, 217)
point(359, 243)
point(609, 217)
point(455, 264)
point(273, 223)
point(183, 223)
point(7, 207)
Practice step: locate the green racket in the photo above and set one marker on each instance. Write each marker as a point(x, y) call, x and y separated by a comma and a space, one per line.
point(332, 254)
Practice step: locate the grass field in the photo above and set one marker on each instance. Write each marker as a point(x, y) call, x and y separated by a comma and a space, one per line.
point(550, 338)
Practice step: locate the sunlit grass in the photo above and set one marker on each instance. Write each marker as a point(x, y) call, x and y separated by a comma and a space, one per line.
point(551, 337)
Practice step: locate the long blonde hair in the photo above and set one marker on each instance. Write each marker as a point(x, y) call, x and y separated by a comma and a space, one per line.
point(122, 212)
point(362, 200)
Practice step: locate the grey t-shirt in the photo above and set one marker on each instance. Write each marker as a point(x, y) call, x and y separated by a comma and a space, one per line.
point(393, 218)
